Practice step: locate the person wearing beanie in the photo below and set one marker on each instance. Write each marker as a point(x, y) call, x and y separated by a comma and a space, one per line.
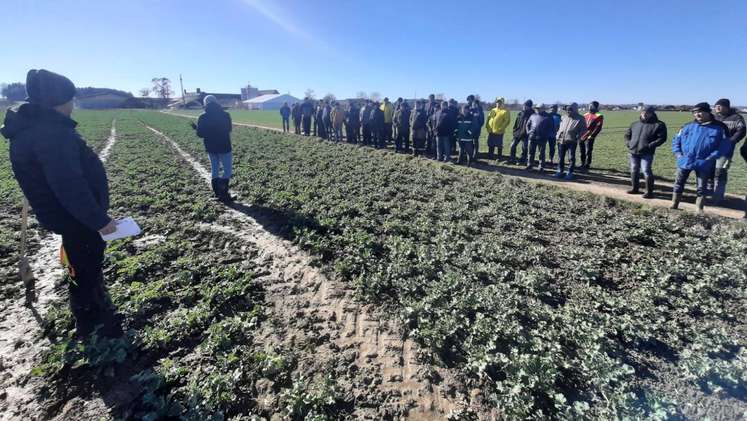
point(214, 127)
point(66, 185)
point(478, 117)
point(555, 126)
point(520, 133)
point(735, 132)
point(285, 113)
point(445, 124)
point(642, 138)
point(539, 130)
point(465, 127)
point(572, 127)
point(497, 122)
point(594, 122)
point(697, 147)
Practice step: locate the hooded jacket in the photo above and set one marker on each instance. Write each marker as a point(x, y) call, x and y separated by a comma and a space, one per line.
point(62, 178)
point(698, 146)
point(214, 127)
point(539, 126)
point(734, 123)
point(520, 124)
point(644, 136)
point(498, 120)
point(572, 127)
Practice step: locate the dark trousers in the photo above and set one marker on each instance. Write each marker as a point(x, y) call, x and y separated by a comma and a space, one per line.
point(681, 177)
point(286, 125)
point(366, 129)
point(586, 149)
point(537, 145)
point(89, 302)
point(297, 125)
point(551, 147)
point(387, 132)
point(495, 141)
point(570, 149)
point(419, 142)
point(382, 135)
point(466, 151)
point(403, 138)
point(307, 126)
point(524, 146)
point(476, 138)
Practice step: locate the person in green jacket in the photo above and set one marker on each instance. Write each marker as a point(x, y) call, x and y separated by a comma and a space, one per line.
point(498, 120)
point(465, 131)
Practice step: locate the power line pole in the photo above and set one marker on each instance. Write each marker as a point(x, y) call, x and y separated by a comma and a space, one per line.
point(181, 85)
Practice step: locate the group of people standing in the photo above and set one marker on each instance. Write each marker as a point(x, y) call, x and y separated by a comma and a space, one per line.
point(440, 129)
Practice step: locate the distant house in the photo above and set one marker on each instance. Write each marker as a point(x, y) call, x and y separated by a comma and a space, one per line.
point(251, 92)
point(270, 102)
point(102, 101)
point(195, 100)
point(146, 102)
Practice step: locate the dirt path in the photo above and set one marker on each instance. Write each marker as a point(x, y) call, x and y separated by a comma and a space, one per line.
point(309, 308)
point(584, 183)
point(21, 340)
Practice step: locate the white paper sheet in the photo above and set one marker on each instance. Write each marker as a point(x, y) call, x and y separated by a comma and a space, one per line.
point(126, 227)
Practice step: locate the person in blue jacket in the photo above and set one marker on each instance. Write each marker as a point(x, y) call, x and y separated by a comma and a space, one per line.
point(285, 113)
point(697, 147)
point(66, 185)
point(555, 127)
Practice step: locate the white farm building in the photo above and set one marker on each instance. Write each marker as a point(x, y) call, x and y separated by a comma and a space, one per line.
point(270, 102)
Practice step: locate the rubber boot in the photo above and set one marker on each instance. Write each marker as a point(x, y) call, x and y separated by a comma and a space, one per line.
point(227, 190)
point(676, 198)
point(215, 183)
point(634, 184)
point(700, 203)
point(649, 188)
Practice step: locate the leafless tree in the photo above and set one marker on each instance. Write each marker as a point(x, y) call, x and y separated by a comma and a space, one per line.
point(162, 87)
point(309, 93)
point(144, 92)
point(374, 96)
point(329, 97)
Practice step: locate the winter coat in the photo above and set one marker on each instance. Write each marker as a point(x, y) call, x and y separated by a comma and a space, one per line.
point(466, 127)
point(296, 112)
point(214, 127)
point(377, 118)
point(734, 123)
point(445, 122)
point(352, 118)
point(594, 123)
point(285, 111)
point(478, 114)
point(644, 136)
point(337, 117)
point(402, 117)
point(520, 124)
point(307, 109)
point(419, 120)
point(698, 146)
point(572, 127)
point(62, 178)
point(498, 120)
point(388, 110)
point(365, 115)
point(539, 126)
point(555, 123)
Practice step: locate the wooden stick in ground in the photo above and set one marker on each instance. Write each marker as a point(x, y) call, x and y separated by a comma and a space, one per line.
point(24, 268)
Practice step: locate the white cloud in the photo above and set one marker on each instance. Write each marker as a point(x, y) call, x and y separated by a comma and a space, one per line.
point(277, 18)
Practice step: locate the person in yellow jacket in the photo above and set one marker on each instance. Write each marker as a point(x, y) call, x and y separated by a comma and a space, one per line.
point(388, 110)
point(498, 120)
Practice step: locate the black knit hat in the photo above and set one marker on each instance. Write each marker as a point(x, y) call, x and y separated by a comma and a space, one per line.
point(724, 102)
point(702, 106)
point(529, 103)
point(650, 109)
point(48, 89)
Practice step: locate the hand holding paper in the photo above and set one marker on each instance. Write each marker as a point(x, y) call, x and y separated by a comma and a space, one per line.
point(126, 227)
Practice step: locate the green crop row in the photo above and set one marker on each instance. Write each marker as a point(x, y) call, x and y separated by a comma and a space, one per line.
point(553, 303)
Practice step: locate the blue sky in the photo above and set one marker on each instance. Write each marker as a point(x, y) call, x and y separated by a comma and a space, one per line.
point(663, 51)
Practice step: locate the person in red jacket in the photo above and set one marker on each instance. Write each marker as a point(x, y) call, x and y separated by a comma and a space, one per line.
point(594, 122)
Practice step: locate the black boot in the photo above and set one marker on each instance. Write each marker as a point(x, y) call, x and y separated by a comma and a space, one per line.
point(215, 183)
point(649, 188)
point(634, 182)
point(224, 190)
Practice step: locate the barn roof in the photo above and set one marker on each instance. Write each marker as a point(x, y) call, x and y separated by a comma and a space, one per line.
point(265, 98)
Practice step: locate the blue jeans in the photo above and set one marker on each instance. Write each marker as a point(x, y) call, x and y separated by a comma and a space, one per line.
point(681, 179)
point(569, 148)
point(218, 160)
point(640, 163)
point(443, 152)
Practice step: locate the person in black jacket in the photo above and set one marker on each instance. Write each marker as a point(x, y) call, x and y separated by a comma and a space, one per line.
point(520, 133)
point(296, 115)
point(478, 116)
point(736, 131)
point(446, 123)
point(214, 127)
point(402, 125)
point(66, 185)
point(419, 123)
point(378, 128)
point(285, 113)
point(352, 123)
point(642, 138)
point(307, 111)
